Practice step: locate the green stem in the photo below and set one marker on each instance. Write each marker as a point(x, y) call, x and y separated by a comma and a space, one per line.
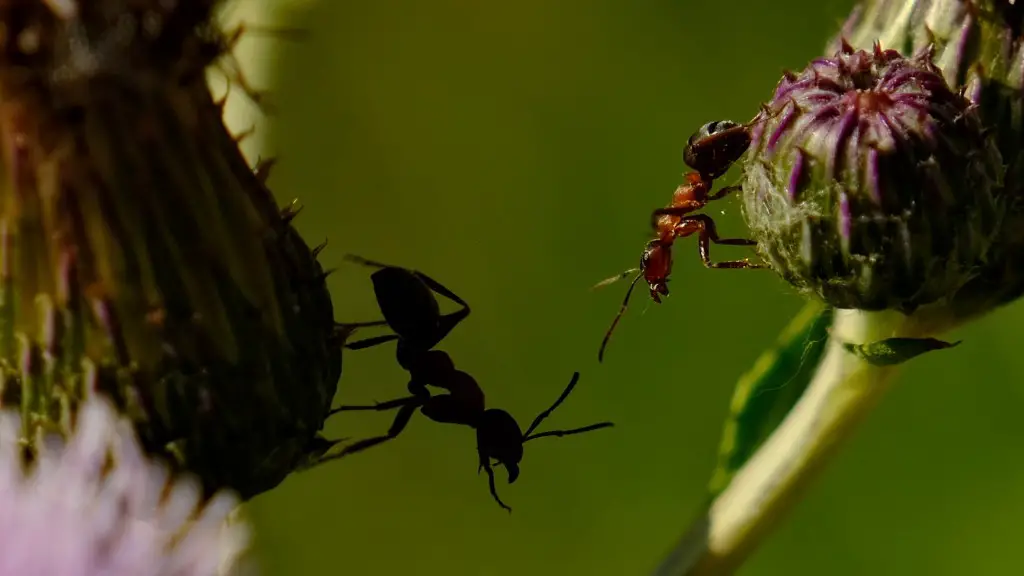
point(842, 391)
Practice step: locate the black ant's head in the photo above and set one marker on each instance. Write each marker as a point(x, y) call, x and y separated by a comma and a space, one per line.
point(407, 303)
point(716, 146)
point(498, 437)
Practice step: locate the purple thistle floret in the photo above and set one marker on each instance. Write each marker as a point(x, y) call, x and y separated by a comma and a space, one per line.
point(98, 506)
point(871, 183)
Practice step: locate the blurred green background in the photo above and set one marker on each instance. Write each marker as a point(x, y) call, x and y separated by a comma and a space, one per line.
point(514, 151)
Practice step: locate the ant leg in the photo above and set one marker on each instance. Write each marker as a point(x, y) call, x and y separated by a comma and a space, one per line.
point(490, 480)
point(349, 327)
point(343, 325)
point(724, 191)
point(371, 342)
point(561, 433)
point(399, 424)
point(379, 406)
point(442, 290)
point(680, 210)
point(448, 321)
point(705, 227)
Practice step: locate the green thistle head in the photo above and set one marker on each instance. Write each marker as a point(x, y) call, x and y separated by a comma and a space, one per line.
point(141, 257)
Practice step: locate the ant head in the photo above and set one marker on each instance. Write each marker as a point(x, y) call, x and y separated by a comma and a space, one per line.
point(407, 303)
point(714, 148)
point(498, 437)
point(656, 266)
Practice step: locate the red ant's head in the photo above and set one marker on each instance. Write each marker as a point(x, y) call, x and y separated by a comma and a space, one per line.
point(656, 265)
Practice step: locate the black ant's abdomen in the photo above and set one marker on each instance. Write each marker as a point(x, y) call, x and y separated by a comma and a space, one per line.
point(408, 305)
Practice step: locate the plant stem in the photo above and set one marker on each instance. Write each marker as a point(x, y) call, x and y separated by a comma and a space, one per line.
point(843, 389)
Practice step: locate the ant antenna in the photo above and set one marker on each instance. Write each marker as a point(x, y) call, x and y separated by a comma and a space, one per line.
point(614, 279)
point(364, 261)
point(622, 310)
point(540, 417)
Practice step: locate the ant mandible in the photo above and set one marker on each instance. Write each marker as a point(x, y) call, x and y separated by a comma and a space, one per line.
point(710, 152)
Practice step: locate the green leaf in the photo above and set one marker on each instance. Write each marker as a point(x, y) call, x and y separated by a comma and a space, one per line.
point(892, 351)
point(766, 393)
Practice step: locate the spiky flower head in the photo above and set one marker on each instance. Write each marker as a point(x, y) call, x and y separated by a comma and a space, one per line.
point(96, 505)
point(871, 183)
point(140, 255)
point(978, 46)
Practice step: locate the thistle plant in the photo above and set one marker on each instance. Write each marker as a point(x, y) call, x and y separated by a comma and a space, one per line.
point(885, 183)
point(141, 258)
point(96, 505)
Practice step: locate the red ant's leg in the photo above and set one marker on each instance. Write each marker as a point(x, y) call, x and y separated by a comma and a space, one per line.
point(723, 192)
point(704, 226)
point(676, 210)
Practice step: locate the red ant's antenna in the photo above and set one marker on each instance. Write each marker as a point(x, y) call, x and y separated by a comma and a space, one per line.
point(622, 309)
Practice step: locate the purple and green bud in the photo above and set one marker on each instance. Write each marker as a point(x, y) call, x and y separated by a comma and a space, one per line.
point(872, 184)
point(141, 257)
point(978, 47)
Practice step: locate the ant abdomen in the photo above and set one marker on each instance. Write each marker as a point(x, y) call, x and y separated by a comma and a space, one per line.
point(715, 147)
point(407, 304)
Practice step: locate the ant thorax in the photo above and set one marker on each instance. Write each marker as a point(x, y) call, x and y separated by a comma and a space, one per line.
point(693, 191)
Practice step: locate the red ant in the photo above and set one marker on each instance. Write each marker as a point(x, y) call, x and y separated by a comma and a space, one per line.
point(407, 302)
point(710, 151)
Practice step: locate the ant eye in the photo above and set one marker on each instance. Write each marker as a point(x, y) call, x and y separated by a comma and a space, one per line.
point(719, 126)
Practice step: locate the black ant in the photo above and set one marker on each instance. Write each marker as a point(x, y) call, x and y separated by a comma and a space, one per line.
point(407, 302)
point(710, 151)
point(498, 435)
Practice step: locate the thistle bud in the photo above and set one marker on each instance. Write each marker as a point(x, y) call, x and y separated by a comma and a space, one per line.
point(979, 48)
point(871, 183)
point(141, 258)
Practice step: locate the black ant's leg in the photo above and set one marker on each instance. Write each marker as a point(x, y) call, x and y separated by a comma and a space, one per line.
point(442, 290)
point(399, 424)
point(565, 394)
point(371, 342)
point(723, 192)
point(379, 406)
point(705, 227)
point(490, 480)
point(344, 325)
point(560, 433)
point(448, 321)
